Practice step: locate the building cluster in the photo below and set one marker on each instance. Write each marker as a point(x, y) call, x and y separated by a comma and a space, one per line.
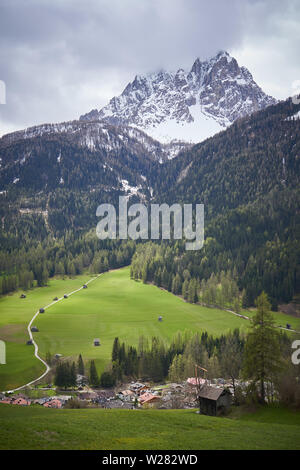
point(213, 395)
point(48, 402)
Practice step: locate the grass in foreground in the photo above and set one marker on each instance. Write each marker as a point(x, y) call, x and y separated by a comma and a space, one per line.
point(39, 428)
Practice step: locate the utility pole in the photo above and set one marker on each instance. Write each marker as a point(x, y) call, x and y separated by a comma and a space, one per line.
point(199, 385)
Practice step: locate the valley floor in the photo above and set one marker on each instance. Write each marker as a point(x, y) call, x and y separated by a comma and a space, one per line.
point(112, 306)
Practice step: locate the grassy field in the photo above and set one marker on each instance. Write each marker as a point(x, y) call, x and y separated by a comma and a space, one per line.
point(113, 305)
point(281, 319)
point(15, 314)
point(39, 428)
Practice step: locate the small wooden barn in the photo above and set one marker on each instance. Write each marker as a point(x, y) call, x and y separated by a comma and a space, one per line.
point(96, 342)
point(214, 401)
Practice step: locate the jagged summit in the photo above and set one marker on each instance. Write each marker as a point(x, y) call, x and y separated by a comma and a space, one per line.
point(186, 105)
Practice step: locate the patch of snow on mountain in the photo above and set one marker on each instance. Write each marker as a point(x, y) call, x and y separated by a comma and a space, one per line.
point(187, 105)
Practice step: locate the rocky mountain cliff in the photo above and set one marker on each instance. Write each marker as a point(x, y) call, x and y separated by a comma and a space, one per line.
point(186, 105)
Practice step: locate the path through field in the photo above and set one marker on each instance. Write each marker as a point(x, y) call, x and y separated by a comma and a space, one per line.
point(36, 348)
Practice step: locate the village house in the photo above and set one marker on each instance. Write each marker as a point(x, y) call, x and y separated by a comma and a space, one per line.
point(41, 401)
point(195, 381)
point(138, 388)
point(6, 401)
point(126, 395)
point(53, 404)
point(148, 398)
point(21, 401)
point(89, 396)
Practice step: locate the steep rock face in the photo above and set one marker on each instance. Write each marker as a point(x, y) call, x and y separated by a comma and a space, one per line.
point(188, 106)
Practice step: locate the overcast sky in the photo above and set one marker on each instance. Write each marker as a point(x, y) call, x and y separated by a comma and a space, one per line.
point(62, 58)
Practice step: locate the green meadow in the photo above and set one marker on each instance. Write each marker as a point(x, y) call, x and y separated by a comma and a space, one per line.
point(112, 305)
point(15, 314)
point(35, 427)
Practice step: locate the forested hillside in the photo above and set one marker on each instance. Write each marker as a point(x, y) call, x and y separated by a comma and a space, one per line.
point(247, 177)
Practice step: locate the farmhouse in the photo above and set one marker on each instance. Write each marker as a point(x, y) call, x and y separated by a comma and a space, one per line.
point(41, 401)
point(195, 381)
point(21, 401)
point(138, 387)
point(147, 398)
point(214, 401)
point(53, 404)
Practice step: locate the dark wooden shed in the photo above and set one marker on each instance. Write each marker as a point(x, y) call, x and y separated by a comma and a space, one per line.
point(214, 401)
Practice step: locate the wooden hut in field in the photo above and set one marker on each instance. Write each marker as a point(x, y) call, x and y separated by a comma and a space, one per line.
point(214, 401)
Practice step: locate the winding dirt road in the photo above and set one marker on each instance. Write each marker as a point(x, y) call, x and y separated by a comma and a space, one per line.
point(36, 348)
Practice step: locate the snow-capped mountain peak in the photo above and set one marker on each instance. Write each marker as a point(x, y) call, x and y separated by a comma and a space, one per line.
point(186, 105)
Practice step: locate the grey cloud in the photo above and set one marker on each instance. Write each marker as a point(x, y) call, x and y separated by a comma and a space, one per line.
point(60, 59)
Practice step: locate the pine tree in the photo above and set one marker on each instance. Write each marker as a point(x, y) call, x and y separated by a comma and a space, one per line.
point(115, 350)
point(80, 365)
point(262, 359)
point(94, 379)
point(73, 375)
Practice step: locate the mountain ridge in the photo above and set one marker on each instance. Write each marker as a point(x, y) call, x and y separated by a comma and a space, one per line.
point(186, 105)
